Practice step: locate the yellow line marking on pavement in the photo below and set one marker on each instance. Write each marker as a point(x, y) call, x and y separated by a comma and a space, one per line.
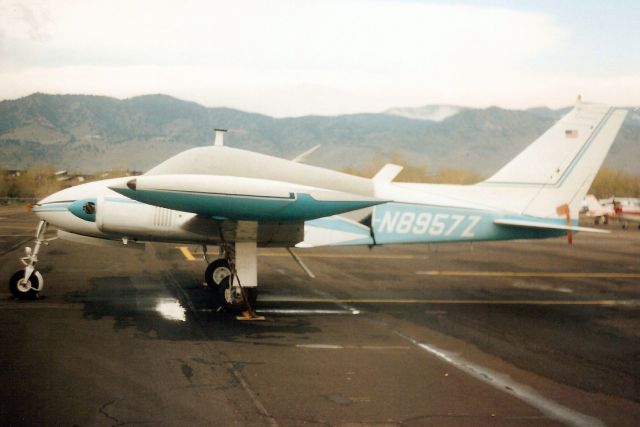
point(187, 254)
point(452, 301)
point(602, 275)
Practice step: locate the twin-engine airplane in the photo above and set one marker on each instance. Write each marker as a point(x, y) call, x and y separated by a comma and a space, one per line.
point(240, 201)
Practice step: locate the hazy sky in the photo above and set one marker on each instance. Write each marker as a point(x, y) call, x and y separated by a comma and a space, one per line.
point(297, 57)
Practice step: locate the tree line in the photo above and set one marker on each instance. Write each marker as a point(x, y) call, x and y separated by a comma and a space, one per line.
point(607, 183)
point(41, 180)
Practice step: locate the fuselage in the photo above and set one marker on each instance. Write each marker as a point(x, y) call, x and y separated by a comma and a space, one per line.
point(627, 209)
point(410, 214)
point(204, 195)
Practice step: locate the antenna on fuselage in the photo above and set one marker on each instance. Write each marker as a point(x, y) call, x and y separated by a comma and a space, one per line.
point(219, 141)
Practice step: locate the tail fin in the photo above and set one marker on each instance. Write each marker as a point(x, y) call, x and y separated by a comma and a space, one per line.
point(559, 167)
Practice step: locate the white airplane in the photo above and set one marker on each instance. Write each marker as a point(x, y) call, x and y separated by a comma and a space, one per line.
point(601, 212)
point(627, 210)
point(240, 201)
point(623, 209)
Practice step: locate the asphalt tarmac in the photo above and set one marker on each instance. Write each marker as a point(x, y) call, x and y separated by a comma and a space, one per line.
point(529, 333)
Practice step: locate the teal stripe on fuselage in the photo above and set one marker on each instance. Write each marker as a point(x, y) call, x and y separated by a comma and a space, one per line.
point(404, 223)
point(52, 207)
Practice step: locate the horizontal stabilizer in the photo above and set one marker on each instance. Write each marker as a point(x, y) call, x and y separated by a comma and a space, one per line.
point(545, 225)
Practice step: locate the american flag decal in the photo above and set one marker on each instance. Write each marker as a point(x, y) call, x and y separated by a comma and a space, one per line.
point(571, 133)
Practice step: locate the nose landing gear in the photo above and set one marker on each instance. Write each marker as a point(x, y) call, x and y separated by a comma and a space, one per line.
point(27, 283)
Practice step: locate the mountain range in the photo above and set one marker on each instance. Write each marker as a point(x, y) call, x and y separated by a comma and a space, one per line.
point(86, 133)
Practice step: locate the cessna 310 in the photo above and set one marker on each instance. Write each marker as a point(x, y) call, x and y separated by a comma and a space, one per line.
point(240, 201)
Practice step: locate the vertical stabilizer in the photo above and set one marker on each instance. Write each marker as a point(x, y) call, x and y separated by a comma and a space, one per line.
point(559, 167)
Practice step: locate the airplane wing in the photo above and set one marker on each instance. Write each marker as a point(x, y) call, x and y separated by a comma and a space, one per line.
point(629, 218)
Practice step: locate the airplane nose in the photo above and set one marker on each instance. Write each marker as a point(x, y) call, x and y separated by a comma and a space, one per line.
point(50, 208)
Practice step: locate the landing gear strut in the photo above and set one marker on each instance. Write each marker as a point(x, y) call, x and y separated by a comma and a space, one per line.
point(27, 283)
point(221, 279)
point(224, 275)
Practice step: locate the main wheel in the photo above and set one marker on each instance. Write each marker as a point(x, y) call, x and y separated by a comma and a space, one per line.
point(216, 272)
point(231, 298)
point(25, 289)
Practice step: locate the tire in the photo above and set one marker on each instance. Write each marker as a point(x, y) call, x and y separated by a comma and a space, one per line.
point(235, 303)
point(216, 272)
point(25, 290)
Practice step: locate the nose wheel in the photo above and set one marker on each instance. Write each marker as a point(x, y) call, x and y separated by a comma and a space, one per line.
point(232, 296)
point(22, 288)
point(27, 283)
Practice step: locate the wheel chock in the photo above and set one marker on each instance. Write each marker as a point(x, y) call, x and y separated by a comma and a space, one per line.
point(247, 315)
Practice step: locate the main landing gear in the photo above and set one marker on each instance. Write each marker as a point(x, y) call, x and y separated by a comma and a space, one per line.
point(223, 278)
point(230, 294)
point(27, 283)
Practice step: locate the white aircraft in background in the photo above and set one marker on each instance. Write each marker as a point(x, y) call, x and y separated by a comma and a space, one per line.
point(601, 212)
point(627, 210)
point(240, 200)
point(623, 209)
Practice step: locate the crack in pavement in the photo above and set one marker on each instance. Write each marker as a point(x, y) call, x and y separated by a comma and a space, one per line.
point(103, 411)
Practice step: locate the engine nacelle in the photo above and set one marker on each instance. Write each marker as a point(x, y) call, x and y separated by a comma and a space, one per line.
point(115, 215)
point(120, 217)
